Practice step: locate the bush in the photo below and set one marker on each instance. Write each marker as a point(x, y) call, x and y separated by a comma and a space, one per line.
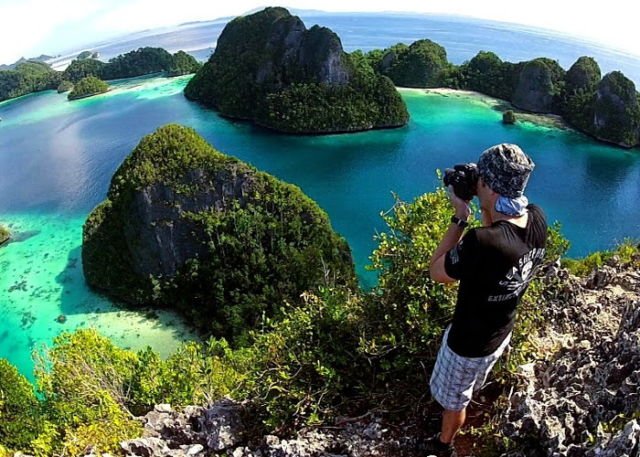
point(20, 414)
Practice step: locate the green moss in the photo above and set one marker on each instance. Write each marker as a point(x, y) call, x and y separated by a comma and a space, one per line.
point(252, 252)
point(87, 87)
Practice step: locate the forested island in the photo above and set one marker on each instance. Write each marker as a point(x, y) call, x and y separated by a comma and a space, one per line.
point(188, 227)
point(607, 108)
point(87, 87)
point(268, 68)
point(31, 76)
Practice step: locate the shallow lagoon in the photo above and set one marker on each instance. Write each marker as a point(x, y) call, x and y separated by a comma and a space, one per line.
point(57, 157)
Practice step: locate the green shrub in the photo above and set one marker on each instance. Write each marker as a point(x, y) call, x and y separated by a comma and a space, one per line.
point(20, 414)
point(625, 253)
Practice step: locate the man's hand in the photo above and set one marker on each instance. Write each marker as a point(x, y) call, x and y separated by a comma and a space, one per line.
point(461, 207)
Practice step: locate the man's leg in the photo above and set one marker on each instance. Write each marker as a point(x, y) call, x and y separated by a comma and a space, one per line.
point(451, 423)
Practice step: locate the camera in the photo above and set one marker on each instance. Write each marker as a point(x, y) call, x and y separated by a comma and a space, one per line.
point(463, 178)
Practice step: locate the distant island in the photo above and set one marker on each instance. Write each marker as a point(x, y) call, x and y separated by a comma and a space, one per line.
point(88, 87)
point(607, 108)
point(33, 76)
point(270, 69)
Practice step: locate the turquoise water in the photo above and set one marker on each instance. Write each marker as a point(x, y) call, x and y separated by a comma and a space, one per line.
point(57, 157)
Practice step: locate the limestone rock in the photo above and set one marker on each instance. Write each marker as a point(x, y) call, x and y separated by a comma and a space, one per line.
point(538, 86)
point(616, 116)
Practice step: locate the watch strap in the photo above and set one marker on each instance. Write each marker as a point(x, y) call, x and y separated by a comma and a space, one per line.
point(459, 222)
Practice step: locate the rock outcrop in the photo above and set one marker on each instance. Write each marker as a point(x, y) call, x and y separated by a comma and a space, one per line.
point(4, 235)
point(538, 86)
point(616, 108)
point(584, 399)
point(209, 235)
point(268, 68)
point(220, 431)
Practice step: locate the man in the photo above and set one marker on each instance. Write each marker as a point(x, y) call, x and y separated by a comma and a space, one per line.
point(494, 265)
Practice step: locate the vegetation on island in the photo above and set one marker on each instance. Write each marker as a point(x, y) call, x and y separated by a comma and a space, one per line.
point(217, 240)
point(422, 64)
point(5, 234)
point(340, 350)
point(605, 108)
point(87, 87)
point(183, 64)
point(32, 76)
point(65, 86)
point(268, 68)
point(87, 55)
point(27, 77)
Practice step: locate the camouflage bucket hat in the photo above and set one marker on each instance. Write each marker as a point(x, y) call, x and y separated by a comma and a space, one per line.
point(505, 168)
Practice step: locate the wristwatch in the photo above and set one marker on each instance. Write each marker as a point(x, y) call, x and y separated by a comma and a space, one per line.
point(459, 222)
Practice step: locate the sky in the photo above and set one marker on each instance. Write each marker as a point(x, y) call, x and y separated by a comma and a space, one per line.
point(32, 27)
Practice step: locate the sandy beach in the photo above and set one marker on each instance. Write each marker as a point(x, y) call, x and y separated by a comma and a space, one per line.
point(546, 120)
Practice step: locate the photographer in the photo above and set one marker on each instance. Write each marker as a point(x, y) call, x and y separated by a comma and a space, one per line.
point(494, 265)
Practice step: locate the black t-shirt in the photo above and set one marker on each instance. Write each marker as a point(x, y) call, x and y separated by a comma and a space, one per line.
point(494, 265)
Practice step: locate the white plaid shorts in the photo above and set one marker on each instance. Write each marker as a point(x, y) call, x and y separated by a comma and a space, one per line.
point(455, 378)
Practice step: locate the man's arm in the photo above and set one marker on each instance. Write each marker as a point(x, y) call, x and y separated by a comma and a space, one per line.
point(450, 239)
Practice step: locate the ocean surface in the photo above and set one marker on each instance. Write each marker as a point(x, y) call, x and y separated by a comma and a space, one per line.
point(57, 159)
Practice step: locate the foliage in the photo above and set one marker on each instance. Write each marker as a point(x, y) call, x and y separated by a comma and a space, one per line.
point(421, 64)
point(488, 74)
point(87, 87)
point(539, 85)
point(20, 415)
point(253, 248)
point(26, 77)
point(617, 110)
point(581, 82)
point(625, 253)
point(81, 68)
point(183, 64)
point(142, 61)
point(252, 75)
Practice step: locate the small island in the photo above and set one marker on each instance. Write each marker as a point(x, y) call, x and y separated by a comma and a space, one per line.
point(5, 235)
point(293, 79)
point(88, 87)
point(187, 227)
